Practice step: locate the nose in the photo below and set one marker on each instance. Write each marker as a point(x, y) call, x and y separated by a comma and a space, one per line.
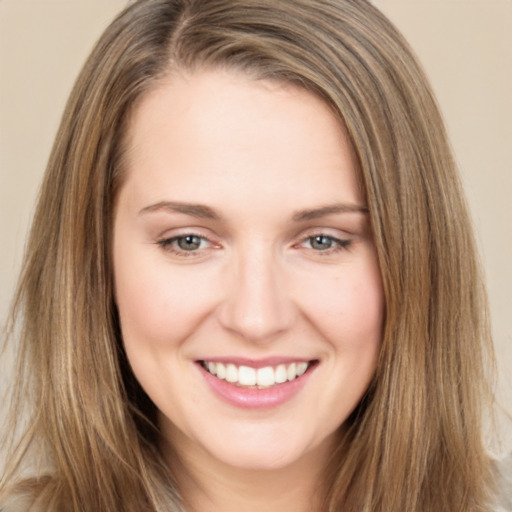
point(256, 305)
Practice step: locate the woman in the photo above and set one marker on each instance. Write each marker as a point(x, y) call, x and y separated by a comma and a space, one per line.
point(251, 280)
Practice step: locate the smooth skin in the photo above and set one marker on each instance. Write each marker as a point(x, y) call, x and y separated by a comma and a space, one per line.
point(241, 232)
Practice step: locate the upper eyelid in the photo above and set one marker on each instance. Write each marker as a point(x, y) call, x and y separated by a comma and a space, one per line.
point(172, 238)
point(172, 233)
point(342, 241)
point(334, 233)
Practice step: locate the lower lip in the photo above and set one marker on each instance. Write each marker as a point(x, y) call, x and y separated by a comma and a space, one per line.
point(248, 398)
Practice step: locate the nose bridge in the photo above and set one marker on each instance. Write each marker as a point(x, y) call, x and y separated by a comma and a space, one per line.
point(256, 304)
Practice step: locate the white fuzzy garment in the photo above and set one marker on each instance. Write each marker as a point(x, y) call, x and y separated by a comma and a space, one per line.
point(503, 471)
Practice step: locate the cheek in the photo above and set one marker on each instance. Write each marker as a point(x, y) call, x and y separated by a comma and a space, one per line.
point(155, 304)
point(348, 309)
point(349, 314)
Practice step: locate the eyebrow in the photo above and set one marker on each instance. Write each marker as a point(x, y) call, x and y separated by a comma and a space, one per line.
point(315, 213)
point(205, 212)
point(194, 210)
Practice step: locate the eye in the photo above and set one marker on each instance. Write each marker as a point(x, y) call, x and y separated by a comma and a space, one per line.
point(183, 244)
point(325, 243)
point(189, 242)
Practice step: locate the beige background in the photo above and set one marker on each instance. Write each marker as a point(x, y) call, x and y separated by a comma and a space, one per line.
point(465, 46)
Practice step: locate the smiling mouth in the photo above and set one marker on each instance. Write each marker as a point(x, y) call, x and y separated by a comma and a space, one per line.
point(257, 378)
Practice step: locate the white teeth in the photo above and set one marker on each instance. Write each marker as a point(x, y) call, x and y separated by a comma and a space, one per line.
point(221, 371)
point(212, 368)
point(292, 371)
point(231, 373)
point(301, 368)
point(281, 374)
point(265, 376)
point(246, 376)
point(262, 377)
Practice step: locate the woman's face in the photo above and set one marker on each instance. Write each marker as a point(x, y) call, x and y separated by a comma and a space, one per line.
point(242, 248)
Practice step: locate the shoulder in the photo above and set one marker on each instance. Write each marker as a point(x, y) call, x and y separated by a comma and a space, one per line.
point(503, 473)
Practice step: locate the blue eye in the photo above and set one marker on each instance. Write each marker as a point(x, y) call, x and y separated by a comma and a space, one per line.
point(188, 243)
point(323, 243)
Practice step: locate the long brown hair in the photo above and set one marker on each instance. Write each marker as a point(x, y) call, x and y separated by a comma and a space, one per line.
point(415, 442)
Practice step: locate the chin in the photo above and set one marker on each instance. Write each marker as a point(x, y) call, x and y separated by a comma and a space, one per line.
point(265, 451)
point(265, 460)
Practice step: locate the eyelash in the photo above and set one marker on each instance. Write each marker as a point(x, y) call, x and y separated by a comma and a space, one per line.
point(337, 244)
point(169, 244)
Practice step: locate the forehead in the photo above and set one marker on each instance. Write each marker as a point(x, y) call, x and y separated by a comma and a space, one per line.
point(219, 127)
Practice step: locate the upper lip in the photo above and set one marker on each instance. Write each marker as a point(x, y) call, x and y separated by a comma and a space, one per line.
point(257, 363)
